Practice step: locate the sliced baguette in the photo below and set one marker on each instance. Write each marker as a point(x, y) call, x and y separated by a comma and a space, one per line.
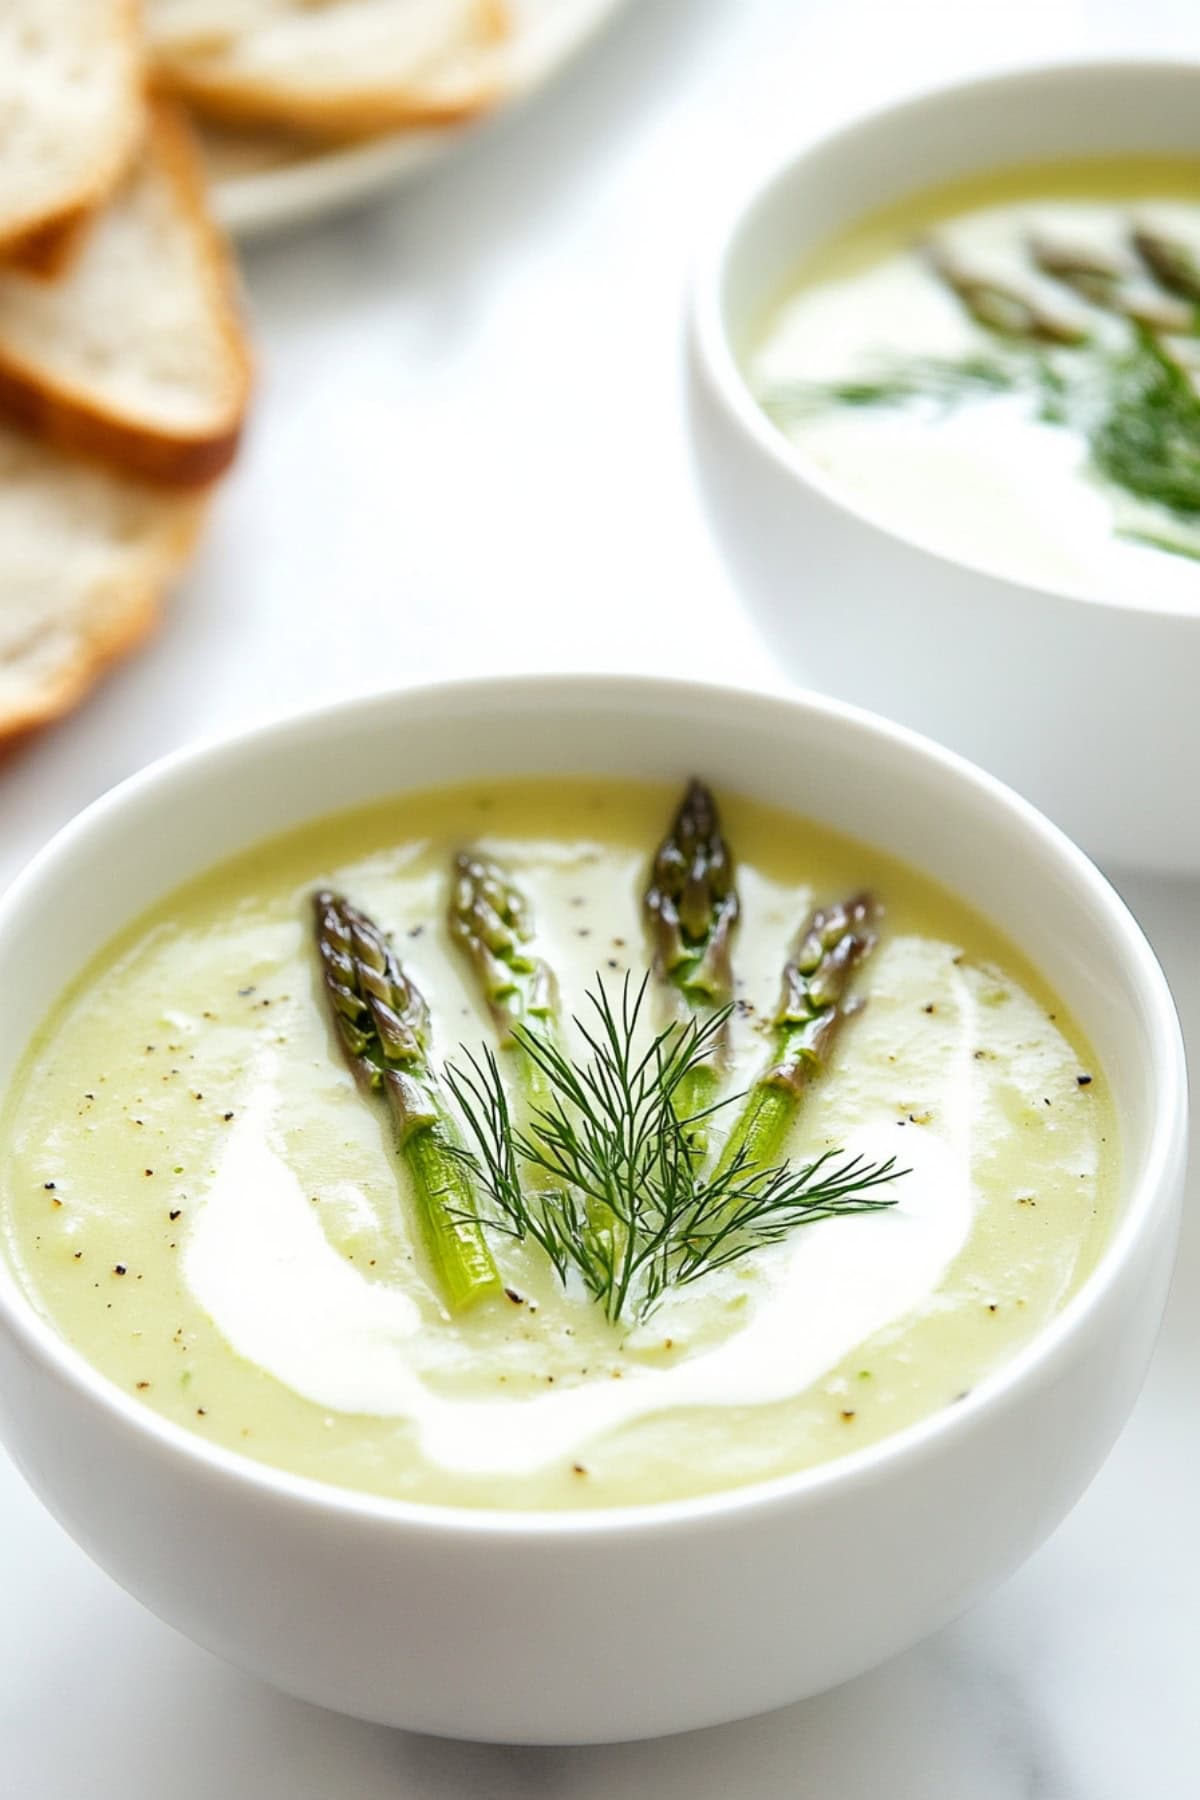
point(84, 559)
point(71, 105)
point(337, 68)
point(136, 355)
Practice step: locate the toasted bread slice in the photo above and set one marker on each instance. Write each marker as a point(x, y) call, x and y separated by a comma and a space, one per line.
point(84, 560)
point(71, 104)
point(135, 355)
point(341, 68)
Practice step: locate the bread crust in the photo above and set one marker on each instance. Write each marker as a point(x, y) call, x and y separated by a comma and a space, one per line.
point(125, 610)
point(365, 112)
point(49, 251)
point(74, 420)
point(33, 234)
point(367, 115)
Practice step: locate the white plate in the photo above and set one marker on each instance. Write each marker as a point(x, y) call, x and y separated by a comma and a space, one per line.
point(261, 184)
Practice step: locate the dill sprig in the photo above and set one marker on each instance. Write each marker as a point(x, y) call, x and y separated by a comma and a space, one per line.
point(612, 1147)
point(939, 381)
point(1147, 436)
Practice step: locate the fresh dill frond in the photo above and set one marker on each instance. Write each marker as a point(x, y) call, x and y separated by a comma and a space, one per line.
point(1146, 439)
point(623, 1204)
point(938, 381)
point(1166, 541)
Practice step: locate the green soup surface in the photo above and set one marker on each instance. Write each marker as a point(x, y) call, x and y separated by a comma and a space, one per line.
point(200, 1200)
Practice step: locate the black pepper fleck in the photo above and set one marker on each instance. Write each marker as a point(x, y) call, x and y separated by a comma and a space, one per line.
point(119, 1269)
point(1084, 1080)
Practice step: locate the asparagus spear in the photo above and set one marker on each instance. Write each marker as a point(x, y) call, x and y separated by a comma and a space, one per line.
point(1173, 265)
point(489, 920)
point(691, 907)
point(998, 307)
point(832, 943)
point(1103, 281)
point(382, 1023)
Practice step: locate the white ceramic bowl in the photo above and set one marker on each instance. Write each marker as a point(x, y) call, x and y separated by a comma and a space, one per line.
point(635, 1621)
point(1087, 706)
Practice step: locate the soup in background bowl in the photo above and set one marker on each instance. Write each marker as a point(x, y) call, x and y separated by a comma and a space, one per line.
point(1005, 370)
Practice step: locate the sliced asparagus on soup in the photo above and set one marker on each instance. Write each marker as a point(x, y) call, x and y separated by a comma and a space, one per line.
point(1106, 282)
point(1173, 264)
point(490, 921)
point(691, 910)
point(382, 1024)
point(812, 1006)
point(999, 306)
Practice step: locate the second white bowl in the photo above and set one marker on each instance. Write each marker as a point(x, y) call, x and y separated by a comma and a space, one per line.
point(1087, 706)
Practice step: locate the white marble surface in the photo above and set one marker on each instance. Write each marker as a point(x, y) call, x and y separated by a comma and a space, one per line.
point(470, 453)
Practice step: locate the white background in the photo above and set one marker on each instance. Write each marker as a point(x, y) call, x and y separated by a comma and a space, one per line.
point(469, 452)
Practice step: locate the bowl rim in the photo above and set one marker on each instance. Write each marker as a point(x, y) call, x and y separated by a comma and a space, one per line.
point(1148, 1197)
point(713, 351)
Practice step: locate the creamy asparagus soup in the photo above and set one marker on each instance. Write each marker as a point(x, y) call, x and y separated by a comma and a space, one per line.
point(315, 1162)
point(1006, 370)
